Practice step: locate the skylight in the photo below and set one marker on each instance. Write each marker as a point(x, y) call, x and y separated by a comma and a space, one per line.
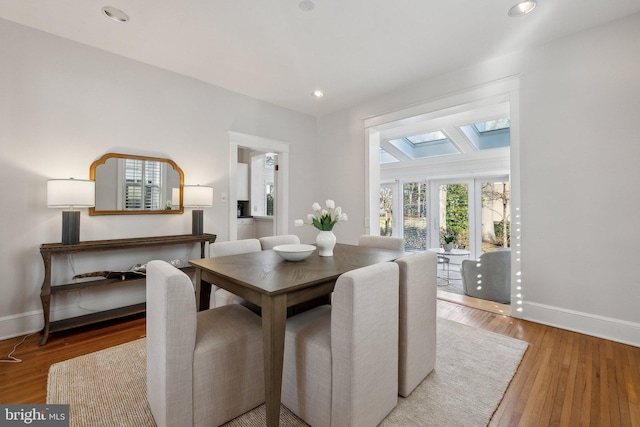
point(423, 145)
point(489, 134)
point(426, 137)
point(492, 125)
point(385, 157)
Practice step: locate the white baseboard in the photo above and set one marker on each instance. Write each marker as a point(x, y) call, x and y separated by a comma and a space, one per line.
point(33, 321)
point(585, 323)
point(20, 324)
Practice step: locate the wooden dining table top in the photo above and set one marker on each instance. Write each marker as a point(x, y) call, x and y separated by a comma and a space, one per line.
point(267, 273)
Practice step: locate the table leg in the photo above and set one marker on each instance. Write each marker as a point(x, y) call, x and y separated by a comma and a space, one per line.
point(203, 292)
point(45, 296)
point(274, 315)
point(46, 308)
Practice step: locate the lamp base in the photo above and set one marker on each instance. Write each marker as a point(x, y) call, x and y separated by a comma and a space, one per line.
point(70, 227)
point(197, 222)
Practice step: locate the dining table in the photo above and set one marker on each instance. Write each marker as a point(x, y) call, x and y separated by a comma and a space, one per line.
point(276, 285)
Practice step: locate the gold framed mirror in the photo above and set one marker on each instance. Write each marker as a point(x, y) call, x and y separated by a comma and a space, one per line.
point(127, 184)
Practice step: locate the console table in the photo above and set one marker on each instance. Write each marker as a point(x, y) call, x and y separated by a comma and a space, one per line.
point(49, 249)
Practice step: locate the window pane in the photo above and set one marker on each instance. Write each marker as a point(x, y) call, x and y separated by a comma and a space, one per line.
point(496, 216)
point(415, 215)
point(142, 181)
point(133, 196)
point(490, 125)
point(386, 210)
point(426, 137)
point(152, 173)
point(454, 214)
point(269, 197)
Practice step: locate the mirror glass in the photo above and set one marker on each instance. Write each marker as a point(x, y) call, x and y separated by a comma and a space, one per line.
point(129, 185)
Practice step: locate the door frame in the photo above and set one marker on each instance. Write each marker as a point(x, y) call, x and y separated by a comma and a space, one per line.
point(506, 89)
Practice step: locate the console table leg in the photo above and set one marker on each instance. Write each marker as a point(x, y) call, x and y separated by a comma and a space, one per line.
point(46, 304)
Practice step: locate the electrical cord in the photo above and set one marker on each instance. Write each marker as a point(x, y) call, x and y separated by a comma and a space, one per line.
point(10, 357)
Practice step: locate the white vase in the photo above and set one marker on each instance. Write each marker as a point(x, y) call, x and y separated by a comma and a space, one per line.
point(325, 241)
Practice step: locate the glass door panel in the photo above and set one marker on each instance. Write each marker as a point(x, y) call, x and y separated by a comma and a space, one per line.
point(496, 215)
point(454, 214)
point(386, 209)
point(415, 215)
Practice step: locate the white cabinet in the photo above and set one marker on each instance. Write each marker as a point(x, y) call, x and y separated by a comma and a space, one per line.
point(243, 181)
point(246, 228)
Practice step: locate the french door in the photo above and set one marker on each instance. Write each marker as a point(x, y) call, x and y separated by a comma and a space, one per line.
point(474, 211)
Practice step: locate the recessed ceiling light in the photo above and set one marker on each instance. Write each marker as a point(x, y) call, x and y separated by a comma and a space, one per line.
point(317, 94)
point(115, 14)
point(522, 8)
point(306, 5)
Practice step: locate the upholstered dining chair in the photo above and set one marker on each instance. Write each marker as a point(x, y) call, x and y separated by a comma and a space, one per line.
point(417, 339)
point(269, 242)
point(203, 368)
point(382, 242)
point(219, 296)
point(488, 277)
point(341, 360)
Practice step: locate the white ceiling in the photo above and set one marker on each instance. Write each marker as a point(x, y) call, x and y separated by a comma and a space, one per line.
point(353, 50)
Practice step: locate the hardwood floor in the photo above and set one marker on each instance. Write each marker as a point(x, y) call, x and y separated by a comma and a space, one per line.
point(565, 378)
point(26, 382)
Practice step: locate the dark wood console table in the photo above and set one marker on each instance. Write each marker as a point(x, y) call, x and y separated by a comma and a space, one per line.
point(49, 249)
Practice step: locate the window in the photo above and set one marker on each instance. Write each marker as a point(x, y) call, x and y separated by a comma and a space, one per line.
point(142, 184)
point(270, 190)
point(415, 215)
point(496, 215)
point(425, 138)
point(454, 213)
point(386, 210)
point(430, 144)
point(489, 134)
point(385, 157)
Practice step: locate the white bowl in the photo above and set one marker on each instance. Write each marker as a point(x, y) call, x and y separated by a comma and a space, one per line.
point(294, 252)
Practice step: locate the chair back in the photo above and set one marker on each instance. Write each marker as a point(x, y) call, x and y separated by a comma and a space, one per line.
point(488, 277)
point(382, 242)
point(220, 297)
point(269, 242)
point(417, 340)
point(234, 247)
point(171, 336)
point(364, 345)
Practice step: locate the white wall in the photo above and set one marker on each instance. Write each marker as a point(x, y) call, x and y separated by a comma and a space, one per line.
point(579, 141)
point(63, 105)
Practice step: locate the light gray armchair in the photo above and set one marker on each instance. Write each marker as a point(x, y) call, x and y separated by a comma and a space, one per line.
point(219, 296)
point(203, 368)
point(488, 277)
point(269, 242)
point(341, 360)
point(417, 341)
point(382, 242)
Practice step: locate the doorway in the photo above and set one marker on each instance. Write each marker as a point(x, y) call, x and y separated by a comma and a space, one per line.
point(278, 188)
point(451, 144)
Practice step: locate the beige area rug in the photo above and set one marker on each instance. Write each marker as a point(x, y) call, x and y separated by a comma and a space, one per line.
point(473, 369)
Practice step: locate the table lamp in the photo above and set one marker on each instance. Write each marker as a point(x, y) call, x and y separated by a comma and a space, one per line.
point(197, 196)
point(71, 193)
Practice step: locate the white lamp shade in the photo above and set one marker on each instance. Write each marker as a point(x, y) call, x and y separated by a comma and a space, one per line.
point(64, 193)
point(197, 196)
point(175, 196)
